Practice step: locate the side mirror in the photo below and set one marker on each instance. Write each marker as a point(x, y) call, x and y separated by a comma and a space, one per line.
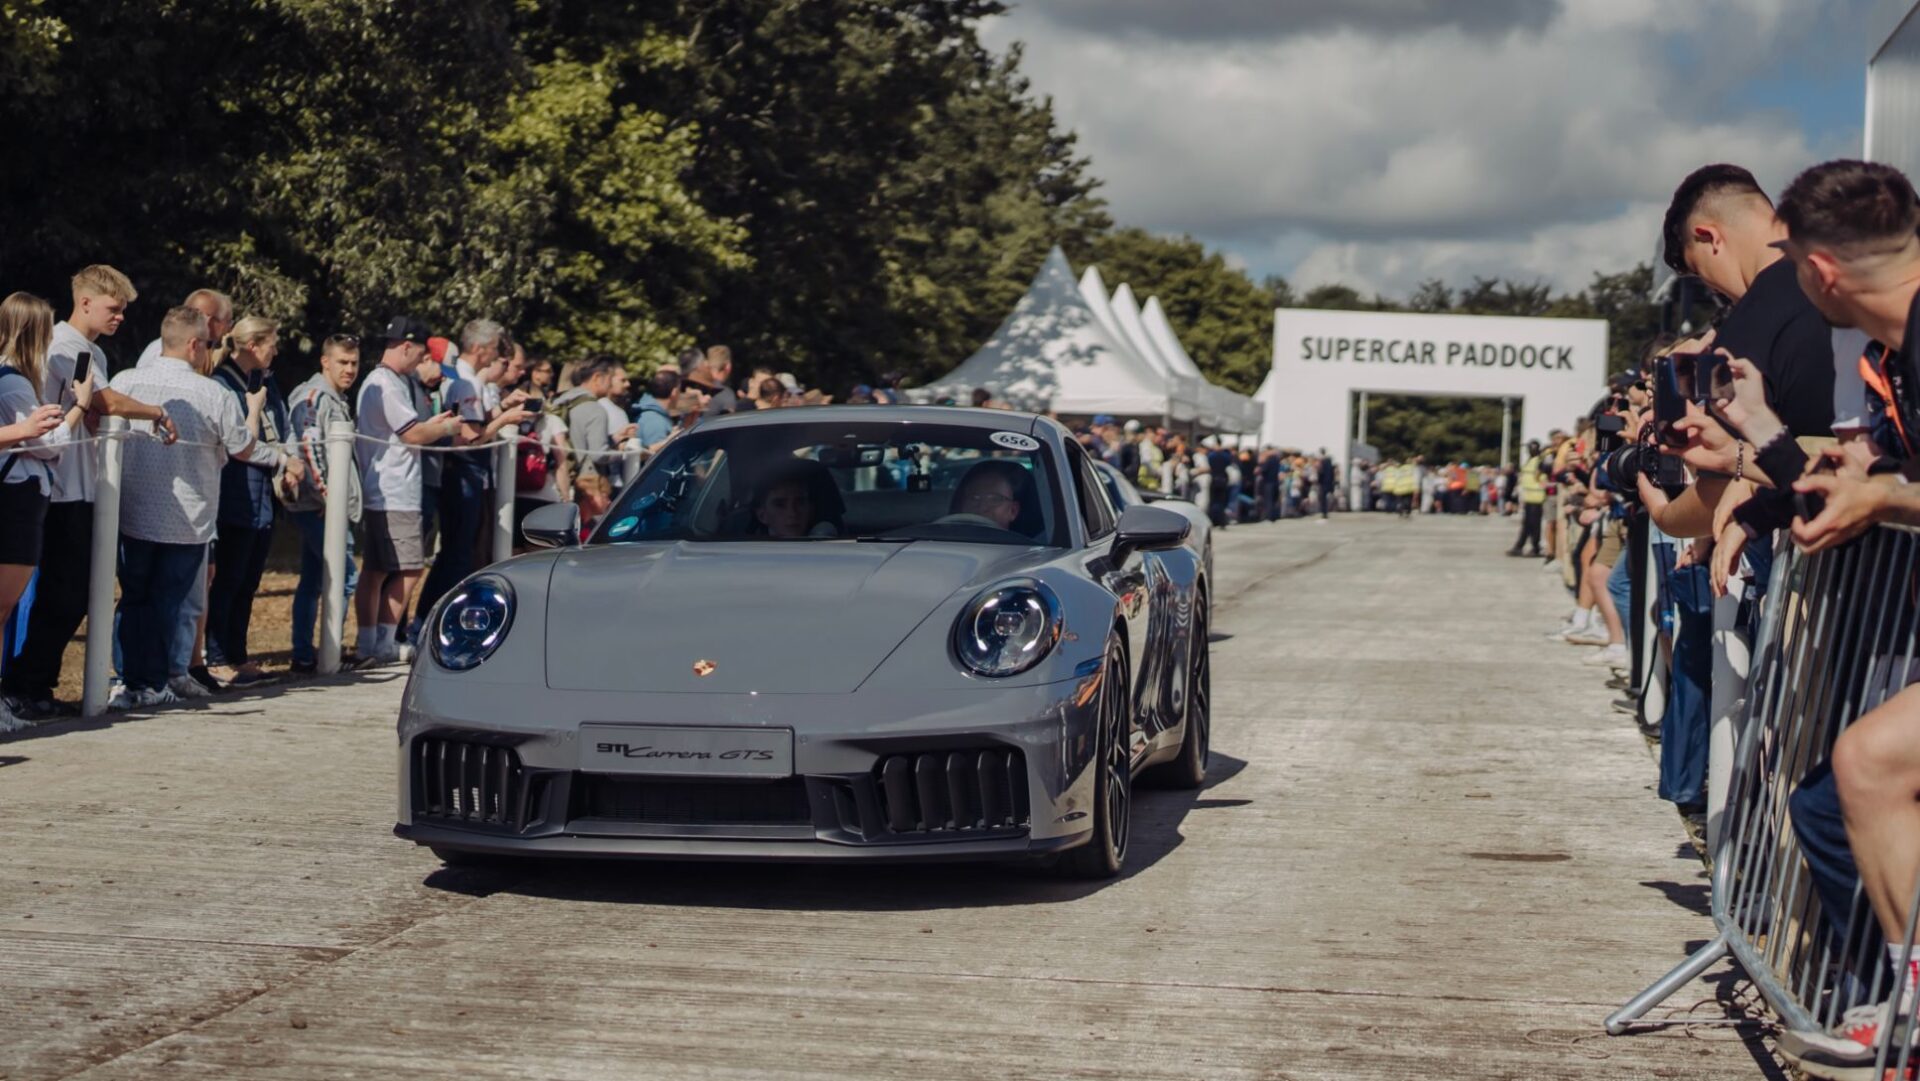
point(556, 525)
point(1148, 529)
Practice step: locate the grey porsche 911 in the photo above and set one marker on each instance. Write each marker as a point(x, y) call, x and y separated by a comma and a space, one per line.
point(828, 633)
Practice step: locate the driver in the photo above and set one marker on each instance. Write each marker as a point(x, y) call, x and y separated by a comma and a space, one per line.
point(992, 490)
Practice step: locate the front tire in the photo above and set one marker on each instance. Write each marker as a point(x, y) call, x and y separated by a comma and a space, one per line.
point(1105, 853)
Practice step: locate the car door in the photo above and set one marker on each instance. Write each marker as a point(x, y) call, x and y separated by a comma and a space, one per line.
point(1126, 578)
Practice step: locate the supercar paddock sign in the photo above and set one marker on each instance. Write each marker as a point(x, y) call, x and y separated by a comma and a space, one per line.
point(1553, 369)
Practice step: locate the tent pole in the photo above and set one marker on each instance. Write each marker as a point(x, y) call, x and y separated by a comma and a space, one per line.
point(1363, 416)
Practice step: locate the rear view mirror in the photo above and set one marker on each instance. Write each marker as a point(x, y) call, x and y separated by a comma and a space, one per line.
point(1148, 529)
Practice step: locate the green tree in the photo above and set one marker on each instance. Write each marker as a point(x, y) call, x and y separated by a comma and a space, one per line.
point(1223, 319)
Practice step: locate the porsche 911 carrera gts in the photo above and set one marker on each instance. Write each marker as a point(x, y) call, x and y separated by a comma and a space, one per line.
point(835, 633)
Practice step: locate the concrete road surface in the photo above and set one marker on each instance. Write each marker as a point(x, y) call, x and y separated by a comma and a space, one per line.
point(1429, 851)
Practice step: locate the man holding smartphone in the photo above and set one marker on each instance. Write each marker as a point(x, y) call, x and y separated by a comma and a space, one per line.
point(101, 295)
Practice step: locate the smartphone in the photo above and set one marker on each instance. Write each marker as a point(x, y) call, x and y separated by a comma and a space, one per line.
point(82, 365)
point(1672, 386)
point(1709, 371)
point(1720, 384)
point(256, 379)
point(532, 405)
point(1808, 505)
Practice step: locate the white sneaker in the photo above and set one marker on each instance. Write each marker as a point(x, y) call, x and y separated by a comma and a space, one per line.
point(9, 722)
point(121, 700)
point(1590, 636)
point(1574, 624)
point(155, 696)
point(185, 686)
point(1614, 656)
point(397, 653)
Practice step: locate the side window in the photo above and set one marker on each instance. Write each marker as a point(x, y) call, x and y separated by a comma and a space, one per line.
point(1094, 505)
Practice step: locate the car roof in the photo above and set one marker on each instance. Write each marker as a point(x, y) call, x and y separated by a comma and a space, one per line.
point(1004, 420)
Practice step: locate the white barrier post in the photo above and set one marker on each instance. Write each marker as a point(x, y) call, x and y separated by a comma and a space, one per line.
point(503, 492)
point(338, 445)
point(1732, 658)
point(100, 572)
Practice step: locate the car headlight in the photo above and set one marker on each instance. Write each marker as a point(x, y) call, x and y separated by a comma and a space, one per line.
point(1007, 629)
point(472, 623)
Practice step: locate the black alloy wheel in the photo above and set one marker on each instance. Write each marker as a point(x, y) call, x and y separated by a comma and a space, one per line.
point(1189, 769)
point(1105, 853)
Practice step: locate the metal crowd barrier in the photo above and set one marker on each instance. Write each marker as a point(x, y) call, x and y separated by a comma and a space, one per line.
point(1837, 639)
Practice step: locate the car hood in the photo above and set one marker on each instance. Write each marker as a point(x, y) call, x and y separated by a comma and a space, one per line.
point(812, 617)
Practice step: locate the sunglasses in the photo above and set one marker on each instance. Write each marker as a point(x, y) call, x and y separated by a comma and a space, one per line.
point(345, 341)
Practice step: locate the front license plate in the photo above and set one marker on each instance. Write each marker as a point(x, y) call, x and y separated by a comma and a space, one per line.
point(686, 752)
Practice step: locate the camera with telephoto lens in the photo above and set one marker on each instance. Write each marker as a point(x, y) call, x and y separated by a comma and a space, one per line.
point(1619, 464)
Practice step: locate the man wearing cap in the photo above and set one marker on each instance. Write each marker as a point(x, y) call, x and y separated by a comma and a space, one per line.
point(390, 431)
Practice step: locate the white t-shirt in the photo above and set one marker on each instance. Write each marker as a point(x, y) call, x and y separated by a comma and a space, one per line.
point(389, 475)
point(73, 471)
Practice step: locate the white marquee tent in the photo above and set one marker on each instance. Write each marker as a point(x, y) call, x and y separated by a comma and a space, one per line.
point(1073, 349)
point(1054, 353)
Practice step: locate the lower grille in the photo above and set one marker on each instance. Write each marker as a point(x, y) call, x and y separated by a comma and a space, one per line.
point(953, 791)
point(693, 803)
point(468, 782)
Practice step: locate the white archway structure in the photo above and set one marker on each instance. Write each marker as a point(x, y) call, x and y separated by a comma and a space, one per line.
point(1553, 369)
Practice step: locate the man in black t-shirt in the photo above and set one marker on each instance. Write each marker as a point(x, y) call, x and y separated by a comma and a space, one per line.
point(1721, 228)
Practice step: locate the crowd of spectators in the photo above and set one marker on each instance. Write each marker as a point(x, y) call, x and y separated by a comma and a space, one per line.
point(220, 458)
point(1790, 418)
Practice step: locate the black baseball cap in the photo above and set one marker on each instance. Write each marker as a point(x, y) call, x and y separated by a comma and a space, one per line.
point(405, 328)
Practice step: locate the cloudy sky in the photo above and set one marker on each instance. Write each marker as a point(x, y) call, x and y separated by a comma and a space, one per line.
point(1382, 142)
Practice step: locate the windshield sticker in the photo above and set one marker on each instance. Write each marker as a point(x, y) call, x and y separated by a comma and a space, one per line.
point(623, 527)
point(1015, 441)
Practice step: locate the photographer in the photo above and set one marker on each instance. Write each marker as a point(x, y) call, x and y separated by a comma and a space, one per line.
point(1721, 228)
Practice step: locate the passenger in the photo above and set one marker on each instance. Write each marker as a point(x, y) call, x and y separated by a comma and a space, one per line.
point(996, 490)
point(797, 501)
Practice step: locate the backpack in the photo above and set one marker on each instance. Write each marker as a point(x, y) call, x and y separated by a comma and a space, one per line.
point(531, 463)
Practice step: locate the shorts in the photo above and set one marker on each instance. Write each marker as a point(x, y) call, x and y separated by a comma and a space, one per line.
point(394, 541)
point(1611, 544)
point(23, 518)
point(1553, 508)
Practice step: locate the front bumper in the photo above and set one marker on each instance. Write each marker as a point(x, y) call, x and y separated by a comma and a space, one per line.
point(988, 773)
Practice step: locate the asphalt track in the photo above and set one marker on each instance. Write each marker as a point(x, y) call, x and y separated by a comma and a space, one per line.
point(1429, 851)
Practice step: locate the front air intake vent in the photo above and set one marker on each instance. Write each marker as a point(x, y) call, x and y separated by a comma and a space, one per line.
point(468, 782)
point(953, 791)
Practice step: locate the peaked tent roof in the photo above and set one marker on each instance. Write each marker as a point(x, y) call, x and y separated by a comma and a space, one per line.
point(1154, 318)
point(1237, 412)
point(1054, 353)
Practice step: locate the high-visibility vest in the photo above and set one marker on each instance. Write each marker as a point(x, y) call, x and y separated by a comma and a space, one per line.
point(1533, 487)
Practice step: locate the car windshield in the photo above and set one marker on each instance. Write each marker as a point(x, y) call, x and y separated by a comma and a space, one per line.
point(847, 481)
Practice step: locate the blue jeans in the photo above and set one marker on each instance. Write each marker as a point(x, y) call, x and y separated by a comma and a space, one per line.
point(186, 627)
point(1684, 726)
point(312, 525)
point(155, 579)
point(1620, 588)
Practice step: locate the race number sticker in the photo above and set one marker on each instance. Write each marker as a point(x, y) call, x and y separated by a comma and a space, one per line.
point(623, 527)
point(1015, 441)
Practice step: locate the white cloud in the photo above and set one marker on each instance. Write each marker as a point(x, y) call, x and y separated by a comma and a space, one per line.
point(1464, 144)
